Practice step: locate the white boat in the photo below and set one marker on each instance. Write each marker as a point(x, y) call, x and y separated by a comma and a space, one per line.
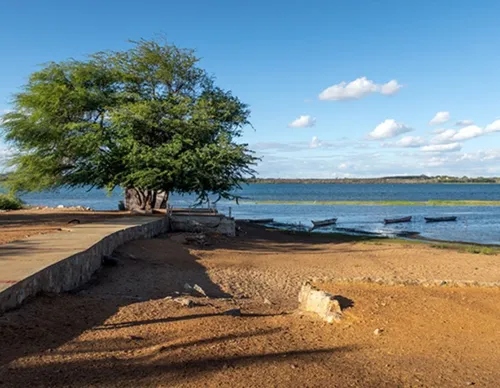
point(319, 224)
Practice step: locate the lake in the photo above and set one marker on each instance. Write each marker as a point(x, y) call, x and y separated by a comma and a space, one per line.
point(479, 224)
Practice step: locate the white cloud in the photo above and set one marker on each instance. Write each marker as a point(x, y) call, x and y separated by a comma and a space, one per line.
point(452, 135)
point(303, 122)
point(465, 133)
point(368, 164)
point(388, 129)
point(275, 146)
point(468, 132)
point(315, 142)
point(390, 88)
point(357, 89)
point(464, 123)
point(410, 141)
point(434, 162)
point(4, 152)
point(440, 118)
point(442, 147)
point(493, 127)
point(444, 136)
point(2, 112)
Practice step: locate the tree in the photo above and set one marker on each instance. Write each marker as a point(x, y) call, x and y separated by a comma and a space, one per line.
point(147, 119)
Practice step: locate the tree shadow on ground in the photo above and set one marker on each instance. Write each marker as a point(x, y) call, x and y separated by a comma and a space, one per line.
point(169, 369)
point(121, 325)
point(265, 240)
point(147, 270)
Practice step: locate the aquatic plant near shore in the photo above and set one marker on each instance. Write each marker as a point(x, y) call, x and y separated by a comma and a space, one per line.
point(383, 203)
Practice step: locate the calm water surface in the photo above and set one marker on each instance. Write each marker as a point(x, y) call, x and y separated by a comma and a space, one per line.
point(475, 224)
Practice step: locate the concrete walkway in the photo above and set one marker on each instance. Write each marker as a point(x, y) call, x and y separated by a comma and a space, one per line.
point(34, 261)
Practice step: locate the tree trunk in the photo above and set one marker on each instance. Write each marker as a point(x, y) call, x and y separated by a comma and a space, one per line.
point(145, 200)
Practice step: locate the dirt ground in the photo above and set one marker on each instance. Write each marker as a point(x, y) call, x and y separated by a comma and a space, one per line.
point(126, 328)
point(19, 224)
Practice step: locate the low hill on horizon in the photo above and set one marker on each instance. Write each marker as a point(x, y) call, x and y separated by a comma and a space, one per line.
point(388, 179)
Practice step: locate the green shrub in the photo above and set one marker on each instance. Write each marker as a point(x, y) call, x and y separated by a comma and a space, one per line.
point(481, 250)
point(9, 202)
point(477, 249)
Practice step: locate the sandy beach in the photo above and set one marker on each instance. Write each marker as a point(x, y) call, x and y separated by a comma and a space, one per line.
point(127, 327)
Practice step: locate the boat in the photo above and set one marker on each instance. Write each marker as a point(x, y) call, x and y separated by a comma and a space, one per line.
point(440, 219)
point(260, 220)
point(319, 224)
point(397, 220)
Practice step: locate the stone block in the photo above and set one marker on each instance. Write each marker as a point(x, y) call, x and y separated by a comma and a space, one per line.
point(320, 302)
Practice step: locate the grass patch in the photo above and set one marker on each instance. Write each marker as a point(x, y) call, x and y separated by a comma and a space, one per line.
point(384, 203)
point(476, 249)
point(337, 237)
point(382, 240)
point(9, 202)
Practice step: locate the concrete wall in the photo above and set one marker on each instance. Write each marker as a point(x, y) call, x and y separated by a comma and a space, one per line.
point(216, 223)
point(76, 270)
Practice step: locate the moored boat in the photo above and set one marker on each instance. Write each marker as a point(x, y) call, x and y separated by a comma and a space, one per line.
point(440, 219)
point(319, 224)
point(260, 220)
point(397, 220)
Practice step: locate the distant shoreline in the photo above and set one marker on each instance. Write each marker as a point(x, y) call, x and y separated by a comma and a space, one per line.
point(385, 180)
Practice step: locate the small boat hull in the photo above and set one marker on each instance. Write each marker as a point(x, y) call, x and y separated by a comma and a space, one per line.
point(261, 220)
point(440, 219)
point(319, 224)
point(397, 220)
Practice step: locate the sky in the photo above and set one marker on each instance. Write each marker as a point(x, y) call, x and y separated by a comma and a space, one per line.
point(336, 88)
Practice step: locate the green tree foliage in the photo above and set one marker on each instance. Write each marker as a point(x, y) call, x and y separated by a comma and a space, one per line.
point(147, 119)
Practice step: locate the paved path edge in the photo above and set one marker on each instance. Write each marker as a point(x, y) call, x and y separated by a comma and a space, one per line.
point(76, 269)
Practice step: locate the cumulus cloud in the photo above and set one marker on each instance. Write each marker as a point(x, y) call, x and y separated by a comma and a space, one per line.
point(388, 129)
point(493, 127)
point(464, 123)
point(315, 142)
point(444, 136)
point(468, 132)
point(440, 118)
point(442, 147)
point(407, 142)
point(465, 133)
point(358, 89)
point(390, 88)
point(303, 122)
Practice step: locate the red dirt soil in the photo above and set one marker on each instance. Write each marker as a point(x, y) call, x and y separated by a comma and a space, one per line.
point(125, 330)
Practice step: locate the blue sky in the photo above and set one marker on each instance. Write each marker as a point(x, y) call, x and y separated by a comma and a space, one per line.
point(336, 88)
